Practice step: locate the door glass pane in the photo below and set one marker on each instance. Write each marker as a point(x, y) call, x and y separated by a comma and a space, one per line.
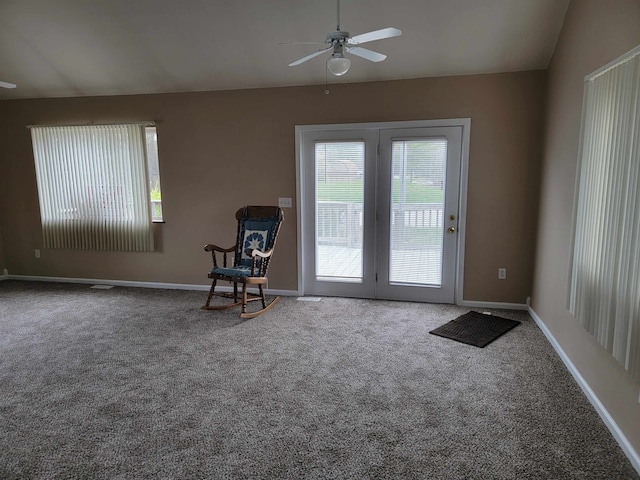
point(417, 211)
point(339, 189)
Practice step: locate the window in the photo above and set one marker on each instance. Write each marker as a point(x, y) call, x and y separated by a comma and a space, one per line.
point(605, 278)
point(417, 210)
point(95, 186)
point(154, 174)
point(339, 201)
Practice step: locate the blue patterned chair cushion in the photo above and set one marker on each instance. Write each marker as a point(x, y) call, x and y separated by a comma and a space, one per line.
point(255, 233)
point(253, 239)
point(233, 272)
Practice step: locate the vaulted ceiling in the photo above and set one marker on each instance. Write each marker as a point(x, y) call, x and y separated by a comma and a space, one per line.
point(67, 48)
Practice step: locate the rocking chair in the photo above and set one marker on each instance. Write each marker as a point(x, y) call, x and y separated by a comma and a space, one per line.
point(257, 232)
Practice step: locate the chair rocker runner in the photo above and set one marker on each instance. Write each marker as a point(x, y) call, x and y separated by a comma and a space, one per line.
point(258, 229)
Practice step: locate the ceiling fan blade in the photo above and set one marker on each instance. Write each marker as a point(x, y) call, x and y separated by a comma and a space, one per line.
point(309, 57)
point(8, 85)
point(375, 35)
point(368, 54)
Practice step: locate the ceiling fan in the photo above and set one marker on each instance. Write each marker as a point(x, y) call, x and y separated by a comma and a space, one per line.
point(7, 85)
point(341, 42)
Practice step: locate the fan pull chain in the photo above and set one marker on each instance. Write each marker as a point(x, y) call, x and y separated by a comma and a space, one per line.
point(326, 81)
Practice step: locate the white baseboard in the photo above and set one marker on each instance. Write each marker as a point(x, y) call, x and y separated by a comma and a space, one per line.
point(5, 275)
point(597, 404)
point(129, 283)
point(494, 305)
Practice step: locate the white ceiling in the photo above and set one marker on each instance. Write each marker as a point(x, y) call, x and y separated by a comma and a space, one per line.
point(63, 48)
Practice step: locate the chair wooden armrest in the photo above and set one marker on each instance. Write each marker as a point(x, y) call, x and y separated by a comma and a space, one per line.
point(211, 247)
point(265, 254)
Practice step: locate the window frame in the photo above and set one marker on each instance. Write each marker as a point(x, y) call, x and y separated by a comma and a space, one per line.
point(154, 204)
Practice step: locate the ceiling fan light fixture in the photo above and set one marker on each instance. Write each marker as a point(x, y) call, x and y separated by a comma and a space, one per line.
point(341, 40)
point(338, 65)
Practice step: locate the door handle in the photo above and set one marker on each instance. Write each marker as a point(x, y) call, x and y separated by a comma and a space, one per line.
point(451, 229)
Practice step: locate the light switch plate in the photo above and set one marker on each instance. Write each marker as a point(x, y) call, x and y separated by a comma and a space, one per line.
point(285, 202)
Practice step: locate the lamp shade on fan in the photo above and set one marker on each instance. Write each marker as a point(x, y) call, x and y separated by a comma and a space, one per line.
point(338, 65)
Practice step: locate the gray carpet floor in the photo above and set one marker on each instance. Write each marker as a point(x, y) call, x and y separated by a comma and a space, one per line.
point(138, 383)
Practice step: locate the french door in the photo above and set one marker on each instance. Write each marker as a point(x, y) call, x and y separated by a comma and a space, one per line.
point(380, 212)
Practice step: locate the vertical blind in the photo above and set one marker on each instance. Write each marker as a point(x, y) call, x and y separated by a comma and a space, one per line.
point(605, 278)
point(92, 187)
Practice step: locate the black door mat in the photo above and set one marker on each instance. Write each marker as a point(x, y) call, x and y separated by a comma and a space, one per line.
point(475, 328)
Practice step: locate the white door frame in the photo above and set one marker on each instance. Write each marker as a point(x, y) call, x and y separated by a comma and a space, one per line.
point(465, 123)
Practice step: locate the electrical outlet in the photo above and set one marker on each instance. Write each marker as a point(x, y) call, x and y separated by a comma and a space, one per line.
point(37, 253)
point(502, 273)
point(285, 202)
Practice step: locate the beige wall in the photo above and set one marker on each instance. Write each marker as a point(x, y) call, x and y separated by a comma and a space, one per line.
point(222, 150)
point(594, 33)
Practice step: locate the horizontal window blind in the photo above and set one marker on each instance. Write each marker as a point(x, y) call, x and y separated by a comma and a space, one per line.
point(339, 202)
point(605, 278)
point(92, 187)
point(417, 213)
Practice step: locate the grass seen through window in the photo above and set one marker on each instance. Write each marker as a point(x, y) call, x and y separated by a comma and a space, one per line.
point(415, 193)
point(351, 191)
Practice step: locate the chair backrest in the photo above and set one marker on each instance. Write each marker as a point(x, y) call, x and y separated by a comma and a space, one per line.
point(258, 227)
